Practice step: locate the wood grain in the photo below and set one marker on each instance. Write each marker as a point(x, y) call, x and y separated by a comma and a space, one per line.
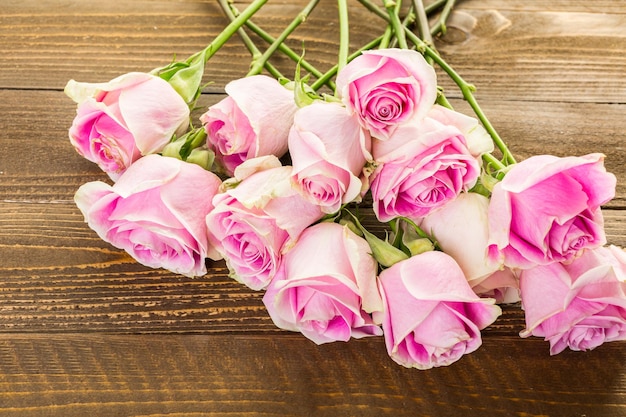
point(85, 330)
point(248, 375)
point(549, 62)
point(508, 50)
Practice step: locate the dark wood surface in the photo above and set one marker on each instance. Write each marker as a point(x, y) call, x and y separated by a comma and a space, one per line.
point(86, 331)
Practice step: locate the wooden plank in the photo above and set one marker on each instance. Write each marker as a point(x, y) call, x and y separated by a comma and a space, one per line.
point(85, 330)
point(111, 38)
point(597, 6)
point(509, 50)
point(545, 56)
point(106, 375)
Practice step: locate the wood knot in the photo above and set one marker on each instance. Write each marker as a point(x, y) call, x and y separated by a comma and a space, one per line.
point(464, 24)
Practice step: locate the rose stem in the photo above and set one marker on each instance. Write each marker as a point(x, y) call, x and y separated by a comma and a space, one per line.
point(197, 61)
point(408, 21)
point(344, 34)
point(331, 72)
point(282, 47)
point(423, 27)
point(434, 6)
point(393, 9)
point(386, 38)
point(376, 10)
point(254, 51)
point(440, 26)
point(230, 30)
point(497, 164)
point(257, 64)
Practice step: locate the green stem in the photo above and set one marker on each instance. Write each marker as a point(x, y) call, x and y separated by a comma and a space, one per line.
point(496, 164)
point(254, 51)
point(443, 100)
point(434, 6)
point(393, 10)
point(331, 72)
point(344, 34)
point(385, 40)
point(440, 26)
point(409, 19)
point(423, 28)
point(431, 8)
point(231, 29)
point(374, 9)
point(257, 65)
point(282, 47)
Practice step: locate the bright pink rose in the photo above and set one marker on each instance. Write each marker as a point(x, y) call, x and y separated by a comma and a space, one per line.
point(387, 88)
point(255, 221)
point(422, 167)
point(431, 317)
point(461, 229)
point(155, 212)
point(547, 209)
point(326, 286)
point(254, 120)
point(579, 305)
point(117, 122)
point(328, 151)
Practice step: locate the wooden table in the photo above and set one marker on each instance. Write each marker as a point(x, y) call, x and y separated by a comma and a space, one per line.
point(86, 331)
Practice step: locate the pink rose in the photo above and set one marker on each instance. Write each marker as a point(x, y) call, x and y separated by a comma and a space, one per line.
point(422, 167)
point(255, 221)
point(547, 209)
point(431, 317)
point(328, 150)
point(326, 286)
point(387, 88)
point(254, 120)
point(155, 212)
point(579, 305)
point(477, 139)
point(461, 229)
point(117, 122)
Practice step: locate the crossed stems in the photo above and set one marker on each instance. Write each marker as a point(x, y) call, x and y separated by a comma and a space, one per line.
point(396, 31)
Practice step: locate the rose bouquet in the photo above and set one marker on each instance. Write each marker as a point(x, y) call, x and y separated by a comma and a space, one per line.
point(276, 177)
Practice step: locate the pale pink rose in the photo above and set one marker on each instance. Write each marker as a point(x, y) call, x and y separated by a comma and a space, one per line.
point(502, 285)
point(461, 229)
point(476, 137)
point(579, 305)
point(117, 122)
point(326, 286)
point(254, 222)
point(547, 209)
point(328, 151)
point(387, 88)
point(254, 120)
point(423, 167)
point(431, 316)
point(155, 212)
